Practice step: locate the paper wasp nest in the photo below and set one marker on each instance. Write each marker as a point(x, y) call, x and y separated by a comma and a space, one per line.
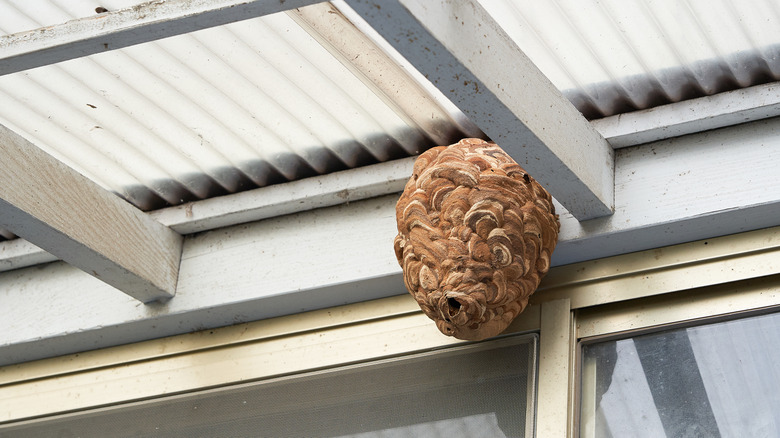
point(475, 235)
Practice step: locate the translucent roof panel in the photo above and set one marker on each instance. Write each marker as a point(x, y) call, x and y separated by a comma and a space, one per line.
point(226, 109)
point(614, 56)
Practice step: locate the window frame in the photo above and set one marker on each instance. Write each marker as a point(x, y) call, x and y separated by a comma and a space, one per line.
point(707, 305)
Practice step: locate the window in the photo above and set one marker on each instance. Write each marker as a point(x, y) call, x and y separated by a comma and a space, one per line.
point(483, 389)
point(713, 380)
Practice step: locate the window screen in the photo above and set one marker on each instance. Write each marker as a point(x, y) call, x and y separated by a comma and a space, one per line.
point(715, 380)
point(484, 389)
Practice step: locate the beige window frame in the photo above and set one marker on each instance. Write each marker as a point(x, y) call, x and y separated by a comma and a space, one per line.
point(658, 313)
point(743, 281)
point(638, 292)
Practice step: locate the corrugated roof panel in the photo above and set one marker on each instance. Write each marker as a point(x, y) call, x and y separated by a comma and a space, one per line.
point(615, 56)
point(225, 109)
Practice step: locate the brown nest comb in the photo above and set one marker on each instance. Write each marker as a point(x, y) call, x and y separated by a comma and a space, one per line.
point(475, 236)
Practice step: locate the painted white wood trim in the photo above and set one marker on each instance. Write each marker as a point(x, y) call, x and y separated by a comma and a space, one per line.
point(465, 53)
point(678, 190)
point(293, 197)
point(56, 208)
point(272, 267)
point(113, 30)
point(688, 188)
point(285, 326)
point(674, 268)
point(691, 116)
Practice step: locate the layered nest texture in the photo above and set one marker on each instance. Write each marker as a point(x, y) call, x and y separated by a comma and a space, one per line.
point(475, 236)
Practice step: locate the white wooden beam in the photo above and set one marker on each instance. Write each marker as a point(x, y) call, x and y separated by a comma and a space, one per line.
point(460, 48)
point(293, 197)
point(112, 30)
point(56, 208)
point(691, 116)
point(687, 188)
point(398, 84)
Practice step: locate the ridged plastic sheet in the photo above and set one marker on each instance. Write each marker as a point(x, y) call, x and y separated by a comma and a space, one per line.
point(218, 111)
point(614, 56)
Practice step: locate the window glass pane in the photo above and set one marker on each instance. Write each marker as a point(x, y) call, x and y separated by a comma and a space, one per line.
point(484, 389)
point(715, 380)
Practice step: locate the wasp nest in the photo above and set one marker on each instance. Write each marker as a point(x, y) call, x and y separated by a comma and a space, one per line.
point(475, 236)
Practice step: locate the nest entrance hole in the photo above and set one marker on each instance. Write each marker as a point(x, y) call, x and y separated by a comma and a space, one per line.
point(454, 306)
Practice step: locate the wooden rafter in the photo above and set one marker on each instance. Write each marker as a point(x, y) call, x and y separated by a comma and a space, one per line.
point(58, 209)
point(113, 30)
point(460, 48)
